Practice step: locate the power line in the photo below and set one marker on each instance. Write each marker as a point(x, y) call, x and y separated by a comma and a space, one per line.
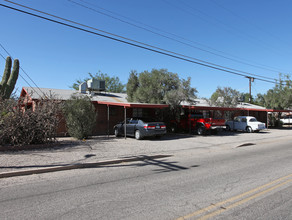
point(147, 45)
point(143, 46)
point(242, 34)
point(22, 71)
point(21, 76)
point(260, 66)
point(248, 22)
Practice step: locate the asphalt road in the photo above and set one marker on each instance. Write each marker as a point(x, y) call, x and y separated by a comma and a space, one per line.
point(253, 181)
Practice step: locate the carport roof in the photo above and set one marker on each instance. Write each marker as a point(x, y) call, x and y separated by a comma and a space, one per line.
point(106, 98)
point(120, 99)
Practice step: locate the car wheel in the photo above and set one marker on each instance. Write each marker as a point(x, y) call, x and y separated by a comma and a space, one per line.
point(138, 135)
point(116, 132)
point(248, 129)
point(228, 128)
point(201, 130)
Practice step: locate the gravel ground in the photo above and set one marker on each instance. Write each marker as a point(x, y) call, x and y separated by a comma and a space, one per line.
point(103, 148)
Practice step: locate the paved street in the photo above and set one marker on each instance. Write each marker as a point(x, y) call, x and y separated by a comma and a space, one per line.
point(241, 176)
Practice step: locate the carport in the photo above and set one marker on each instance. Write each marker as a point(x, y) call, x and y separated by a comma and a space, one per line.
point(127, 106)
point(260, 113)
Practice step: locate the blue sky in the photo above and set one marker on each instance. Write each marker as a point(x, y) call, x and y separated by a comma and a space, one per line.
point(257, 34)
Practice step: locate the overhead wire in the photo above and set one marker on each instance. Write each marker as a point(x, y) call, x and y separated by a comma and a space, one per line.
point(260, 66)
point(22, 77)
point(135, 44)
point(220, 5)
point(22, 71)
point(242, 34)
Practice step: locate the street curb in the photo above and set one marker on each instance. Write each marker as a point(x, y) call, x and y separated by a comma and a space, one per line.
point(79, 166)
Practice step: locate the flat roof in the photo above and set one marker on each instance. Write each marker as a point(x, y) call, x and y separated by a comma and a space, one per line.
point(120, 99)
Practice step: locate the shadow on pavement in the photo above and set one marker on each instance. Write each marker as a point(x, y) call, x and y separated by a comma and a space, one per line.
point(155, 160)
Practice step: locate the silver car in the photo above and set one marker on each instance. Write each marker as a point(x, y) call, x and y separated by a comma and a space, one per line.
point(140, 128)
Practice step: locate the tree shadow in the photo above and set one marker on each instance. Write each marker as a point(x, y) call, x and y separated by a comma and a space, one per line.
point(162, 164)
point(139, 161)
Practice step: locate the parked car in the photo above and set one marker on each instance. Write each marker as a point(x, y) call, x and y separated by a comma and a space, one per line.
point(287, 120)
point(140, 128)
point(245, 123)
point(197, 123)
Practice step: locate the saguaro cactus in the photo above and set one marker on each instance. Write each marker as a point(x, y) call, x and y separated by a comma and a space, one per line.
point(9, 78)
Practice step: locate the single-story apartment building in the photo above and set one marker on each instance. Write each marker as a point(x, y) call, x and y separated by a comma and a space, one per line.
point(113, 107)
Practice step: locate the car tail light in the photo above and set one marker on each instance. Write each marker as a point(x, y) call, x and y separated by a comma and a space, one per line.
point(149, 127)
point(163, 126)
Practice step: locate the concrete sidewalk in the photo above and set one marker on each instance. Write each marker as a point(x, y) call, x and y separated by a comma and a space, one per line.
point(104, 150)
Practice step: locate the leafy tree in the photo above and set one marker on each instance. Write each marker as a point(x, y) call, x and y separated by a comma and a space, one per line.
point(132, 85)
point(112, 84)
point(80, 116)
point(244, 97)
point(184, 92)
point(159, 87)
point(225, 97)
point(280, 97)
point(259, 100)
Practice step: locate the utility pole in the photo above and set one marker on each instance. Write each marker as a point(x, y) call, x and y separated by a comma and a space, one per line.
point(251, 79)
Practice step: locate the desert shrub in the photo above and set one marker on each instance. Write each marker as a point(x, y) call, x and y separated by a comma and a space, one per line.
point(20, 125)
point(80, 116)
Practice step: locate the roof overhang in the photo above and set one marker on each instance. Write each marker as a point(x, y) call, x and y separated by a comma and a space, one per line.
point(132, 105)
point(222, 108)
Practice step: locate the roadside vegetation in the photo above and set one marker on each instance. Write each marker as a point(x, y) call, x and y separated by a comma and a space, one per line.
point(20, 125)
point(80, 116)
point(279, 97)
point(37, 124)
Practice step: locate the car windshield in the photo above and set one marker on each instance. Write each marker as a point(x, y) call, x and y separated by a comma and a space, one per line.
point(253, 120)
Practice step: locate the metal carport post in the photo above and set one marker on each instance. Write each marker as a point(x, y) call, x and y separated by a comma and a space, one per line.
point(108, 120)
point(125, 122)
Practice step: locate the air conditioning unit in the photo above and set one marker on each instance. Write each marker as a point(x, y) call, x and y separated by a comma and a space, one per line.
point(96, 85)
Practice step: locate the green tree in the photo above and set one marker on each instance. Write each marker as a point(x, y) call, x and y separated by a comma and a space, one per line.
point(244, 97)
point(80, 116)
point(112, 84)
point(132, 85)
point(279, 97)
point(259, 100)
point(225, 97)
point(159, 87)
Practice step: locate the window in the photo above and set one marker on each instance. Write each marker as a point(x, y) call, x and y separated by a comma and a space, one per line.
point(237, 119)
point(134, 121)
point(253, 120)
point(243, 120)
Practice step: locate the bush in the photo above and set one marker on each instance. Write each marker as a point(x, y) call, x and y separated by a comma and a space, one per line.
point(80, 116)
point(22, 126)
